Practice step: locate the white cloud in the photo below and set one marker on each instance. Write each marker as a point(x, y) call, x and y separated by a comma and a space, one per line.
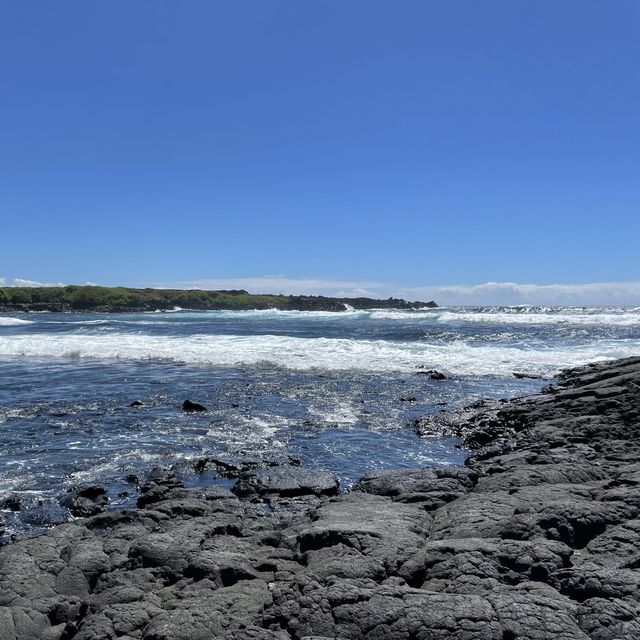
point(282, 284)
point(511, 293)
point(2, 281)
point(490, 293)
point(23, 282)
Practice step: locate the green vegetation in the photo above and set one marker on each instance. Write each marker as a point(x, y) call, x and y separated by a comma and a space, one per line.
point(90, 298)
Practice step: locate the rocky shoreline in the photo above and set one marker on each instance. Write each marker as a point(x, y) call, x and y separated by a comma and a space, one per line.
point(537, 537)
point(96, 299)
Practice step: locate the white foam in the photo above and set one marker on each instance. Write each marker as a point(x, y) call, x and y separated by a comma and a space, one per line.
point(519, 316)
point(397, 314)
point(458, 358)
point(278, 314)
point(263, 430)
point(13, 322)
point(621, 318)
point(340, 413)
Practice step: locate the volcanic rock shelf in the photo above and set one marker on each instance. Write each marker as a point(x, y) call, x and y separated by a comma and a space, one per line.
point(537, 537)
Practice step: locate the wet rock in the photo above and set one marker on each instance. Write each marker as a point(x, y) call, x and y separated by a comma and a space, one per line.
point(160, 485)
point(12, 503)
point(191, 407)
point(432, 374)
point(137, 403)
point(200, 465)
point(86, 500)
point(448, 423)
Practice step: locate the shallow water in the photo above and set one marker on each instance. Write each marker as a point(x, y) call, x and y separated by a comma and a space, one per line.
point(326, 388)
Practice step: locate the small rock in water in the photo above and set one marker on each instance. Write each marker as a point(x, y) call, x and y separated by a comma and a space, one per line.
point(163, 476)
point(132, 477)
point(432, 374)
point(200, 465)
point(137, 403)
point(408, 399)
point(190, 407)
point(532, 376)
point(12, 503)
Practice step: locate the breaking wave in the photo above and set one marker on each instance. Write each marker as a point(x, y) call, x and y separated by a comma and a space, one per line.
point(457, 358)
point(14, 322)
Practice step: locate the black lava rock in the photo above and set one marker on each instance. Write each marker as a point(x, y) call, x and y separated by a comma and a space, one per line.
point(192, 407)
point(13, 503)
point(537, 537)
point(87, 500)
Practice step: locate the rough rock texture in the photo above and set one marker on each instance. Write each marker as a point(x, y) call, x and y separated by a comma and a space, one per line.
point(86, 500)
point(537, 537)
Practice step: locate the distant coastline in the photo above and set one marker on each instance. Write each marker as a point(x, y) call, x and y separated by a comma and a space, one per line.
point(125, 299)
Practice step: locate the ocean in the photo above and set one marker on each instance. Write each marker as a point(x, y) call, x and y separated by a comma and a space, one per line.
point(333, 390)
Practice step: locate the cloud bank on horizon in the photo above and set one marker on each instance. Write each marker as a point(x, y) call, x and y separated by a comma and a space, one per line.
point(489, 293)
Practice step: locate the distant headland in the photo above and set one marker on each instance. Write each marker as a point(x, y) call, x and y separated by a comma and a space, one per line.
point(124, 299)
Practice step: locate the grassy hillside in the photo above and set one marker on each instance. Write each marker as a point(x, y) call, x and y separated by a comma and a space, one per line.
point(90, 298)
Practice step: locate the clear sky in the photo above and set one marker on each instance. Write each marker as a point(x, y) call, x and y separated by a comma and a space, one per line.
point(408, 142)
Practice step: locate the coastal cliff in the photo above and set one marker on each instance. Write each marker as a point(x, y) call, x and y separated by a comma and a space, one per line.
point(536, 537)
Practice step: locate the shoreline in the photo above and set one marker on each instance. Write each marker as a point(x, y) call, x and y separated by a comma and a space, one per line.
point(537, 536)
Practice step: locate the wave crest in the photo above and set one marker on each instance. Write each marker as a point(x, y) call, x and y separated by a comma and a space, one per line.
point(13, 322)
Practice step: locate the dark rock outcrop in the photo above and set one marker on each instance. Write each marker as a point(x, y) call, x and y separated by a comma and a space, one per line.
point(536, 538)
point(12, 503)
point(191, 407)
point(87, 500)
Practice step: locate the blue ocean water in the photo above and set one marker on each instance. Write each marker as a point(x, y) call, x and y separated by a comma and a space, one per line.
point(335, 390)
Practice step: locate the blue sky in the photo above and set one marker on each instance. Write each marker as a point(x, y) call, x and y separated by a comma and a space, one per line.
point(332, 145)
